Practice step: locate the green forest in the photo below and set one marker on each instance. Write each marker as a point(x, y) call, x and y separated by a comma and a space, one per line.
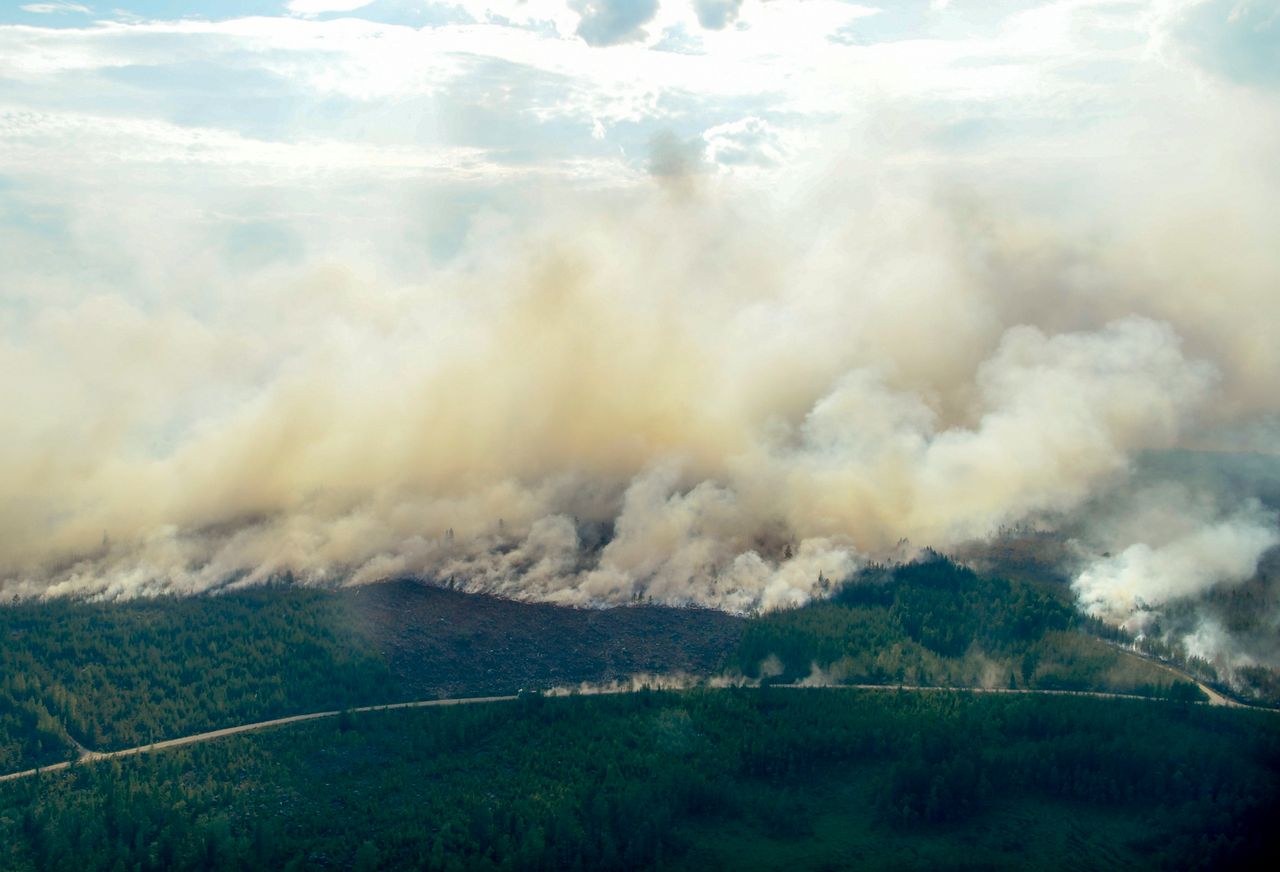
point(705, 779)
point(779, 775)
point(115, 675)
point(937, 623)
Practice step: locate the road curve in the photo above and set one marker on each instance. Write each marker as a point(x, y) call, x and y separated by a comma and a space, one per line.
point(1215, 698)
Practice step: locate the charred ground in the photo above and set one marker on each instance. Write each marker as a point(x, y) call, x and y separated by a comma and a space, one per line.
point(443, 642)
point(114, 675)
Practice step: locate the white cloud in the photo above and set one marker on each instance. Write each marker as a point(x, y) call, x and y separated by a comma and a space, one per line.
point(55, 8)
point(29, 138)
point(747, 142)
point(319, 7)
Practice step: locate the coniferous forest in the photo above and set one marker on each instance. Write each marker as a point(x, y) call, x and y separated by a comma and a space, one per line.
point(937, 623)
point(116, 675)
point(737, 778)
point(918, 773)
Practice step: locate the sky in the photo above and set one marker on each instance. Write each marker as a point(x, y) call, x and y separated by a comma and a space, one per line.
point(759, 288)
point(457, 108)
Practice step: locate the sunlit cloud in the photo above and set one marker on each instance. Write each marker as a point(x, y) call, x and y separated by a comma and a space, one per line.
point(319, 7)
point(56, 8)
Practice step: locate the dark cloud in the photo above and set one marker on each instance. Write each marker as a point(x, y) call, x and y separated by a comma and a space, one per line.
point(671, 157)
point(612, 22)
point(716, 14)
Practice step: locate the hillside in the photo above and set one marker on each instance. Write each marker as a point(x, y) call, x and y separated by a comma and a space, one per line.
point(115, 675)
point(937, 623)
point(1244, 610)
point(726, 778)
point(111, 675)
point(439, 642)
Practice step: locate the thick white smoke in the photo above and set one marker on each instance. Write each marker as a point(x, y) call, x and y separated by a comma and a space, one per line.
point(1172, 559)
point(731, 462)
point(1130, 587)
point(692, 392)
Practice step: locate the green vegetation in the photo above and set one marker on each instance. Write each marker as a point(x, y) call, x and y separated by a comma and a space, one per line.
point(767, 778)
point(1243, 609)
point(113, 675)
point(936, 623)
point(118, 675)
point(764, 778)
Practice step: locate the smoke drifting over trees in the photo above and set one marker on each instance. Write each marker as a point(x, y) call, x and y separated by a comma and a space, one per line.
point(688, 389)
point(745, 412)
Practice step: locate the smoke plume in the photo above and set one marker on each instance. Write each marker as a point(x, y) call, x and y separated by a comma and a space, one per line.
point(713, 395)
point(671, 403)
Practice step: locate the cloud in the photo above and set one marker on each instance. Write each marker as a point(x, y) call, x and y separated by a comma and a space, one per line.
point(612, 22)
point(678, 40)
point(716, 14)
point(320, 7)
point(56, 8)
point(747, 142)
point(1239, 39)
point(673, 158)
point(27, 135)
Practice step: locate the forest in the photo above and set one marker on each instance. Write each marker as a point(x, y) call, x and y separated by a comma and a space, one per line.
point(117, 675)
point(108, 675)
point(780, 774)
point(111, 675)
point(706, 779)
point(935, 622)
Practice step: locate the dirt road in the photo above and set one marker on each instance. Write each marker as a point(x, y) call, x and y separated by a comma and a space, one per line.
point(87, 756)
